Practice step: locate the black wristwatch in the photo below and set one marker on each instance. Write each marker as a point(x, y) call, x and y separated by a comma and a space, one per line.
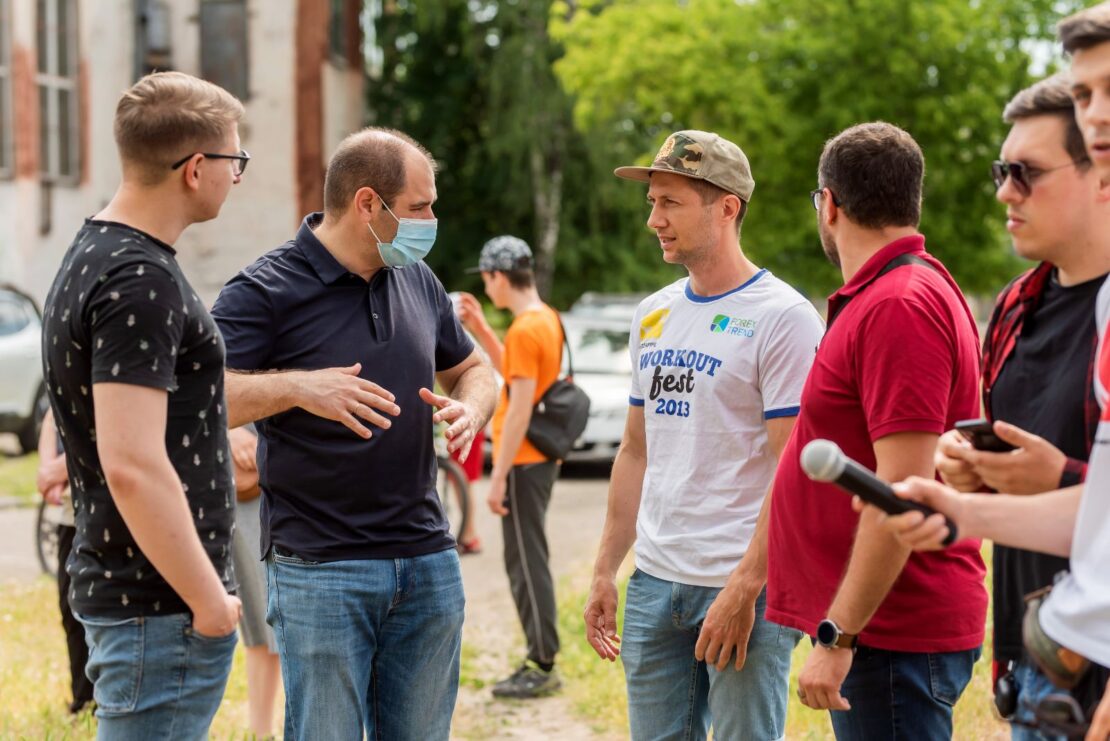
point(830, 636)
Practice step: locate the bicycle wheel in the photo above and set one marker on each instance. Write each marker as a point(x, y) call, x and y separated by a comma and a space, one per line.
point(46, 537)
point(454, 493)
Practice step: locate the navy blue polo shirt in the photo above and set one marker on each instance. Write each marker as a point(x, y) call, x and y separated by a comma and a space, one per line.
point(329, 495)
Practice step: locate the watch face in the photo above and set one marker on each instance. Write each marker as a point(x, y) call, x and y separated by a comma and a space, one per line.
point(827, 633)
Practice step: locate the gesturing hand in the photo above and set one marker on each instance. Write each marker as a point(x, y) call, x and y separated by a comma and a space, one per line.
point(339, 394)
point(463, 419)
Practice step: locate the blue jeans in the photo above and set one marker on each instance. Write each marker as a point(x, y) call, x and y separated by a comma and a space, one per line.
point(900, 695)
point(1032, 686)
point(154, 677)
point(672, 695)
point(368, 646)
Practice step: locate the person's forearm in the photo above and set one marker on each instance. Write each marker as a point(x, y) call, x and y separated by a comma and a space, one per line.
point(517, 417)
point(490, 343)
point(876, 561)
point(477, 387)
point(253, 396)
point(152, 503)
point(1037, 522)
point(750, 574)
point(625, 488)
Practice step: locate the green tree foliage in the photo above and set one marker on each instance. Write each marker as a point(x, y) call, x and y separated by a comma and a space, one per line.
point(782, 76)
point(474, 83)
point(529, 105)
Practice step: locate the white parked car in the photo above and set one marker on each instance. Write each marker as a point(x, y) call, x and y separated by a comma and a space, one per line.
point(23, 399)
point(603, 370)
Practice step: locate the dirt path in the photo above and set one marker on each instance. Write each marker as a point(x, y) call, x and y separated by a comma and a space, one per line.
point(492, 640)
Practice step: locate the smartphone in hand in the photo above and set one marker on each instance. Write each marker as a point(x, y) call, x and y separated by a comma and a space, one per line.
point(980, 433)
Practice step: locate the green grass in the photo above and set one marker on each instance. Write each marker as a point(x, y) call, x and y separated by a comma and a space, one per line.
point(33, 677)
point(17, 477)
point(597, 688)
point(34, 673)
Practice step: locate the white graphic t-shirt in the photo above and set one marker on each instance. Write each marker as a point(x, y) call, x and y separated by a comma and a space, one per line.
point(1077, 613)
point(708, 372)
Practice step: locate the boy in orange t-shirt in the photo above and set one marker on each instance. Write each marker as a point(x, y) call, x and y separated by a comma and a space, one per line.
point(522, 478)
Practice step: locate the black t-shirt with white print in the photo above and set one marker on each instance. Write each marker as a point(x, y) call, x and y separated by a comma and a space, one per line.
point(121, 311)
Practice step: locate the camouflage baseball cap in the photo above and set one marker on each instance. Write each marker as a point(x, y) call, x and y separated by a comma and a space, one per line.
point(702, 155)
point(503, 253)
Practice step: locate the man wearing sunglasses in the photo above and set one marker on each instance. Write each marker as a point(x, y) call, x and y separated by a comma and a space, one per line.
point(1043, 326)
point(1071, 629)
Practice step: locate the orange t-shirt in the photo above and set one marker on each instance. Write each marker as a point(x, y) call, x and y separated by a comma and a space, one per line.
point(533, 349)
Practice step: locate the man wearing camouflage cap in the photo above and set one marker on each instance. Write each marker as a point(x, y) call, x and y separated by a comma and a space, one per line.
point(522, 477)
point(719, 360)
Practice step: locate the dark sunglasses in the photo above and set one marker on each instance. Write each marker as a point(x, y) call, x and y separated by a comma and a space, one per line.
point(241, 159)
point(1023, 175)
point(815, 196)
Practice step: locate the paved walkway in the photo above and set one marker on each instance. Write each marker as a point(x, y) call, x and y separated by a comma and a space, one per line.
point(492, 631)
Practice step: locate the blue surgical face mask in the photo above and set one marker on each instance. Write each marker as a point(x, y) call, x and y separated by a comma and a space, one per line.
point(413, 241)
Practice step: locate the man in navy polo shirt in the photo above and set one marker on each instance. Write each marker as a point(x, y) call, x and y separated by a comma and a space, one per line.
point(899, 364)
point(341, 328)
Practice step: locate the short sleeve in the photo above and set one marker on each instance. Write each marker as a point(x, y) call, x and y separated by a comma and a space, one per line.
point(786, 358)
point(453, 344)
point(905, 364)
point(245, 318)
point(523, 354)
point(635, 395)
point(137, 321)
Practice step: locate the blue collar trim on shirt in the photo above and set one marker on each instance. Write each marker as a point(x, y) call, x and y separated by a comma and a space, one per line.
point(710, 299)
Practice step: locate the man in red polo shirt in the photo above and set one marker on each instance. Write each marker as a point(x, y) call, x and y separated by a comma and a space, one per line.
point(897, 633)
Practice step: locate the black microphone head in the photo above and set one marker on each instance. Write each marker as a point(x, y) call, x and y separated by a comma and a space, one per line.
point(822, 460)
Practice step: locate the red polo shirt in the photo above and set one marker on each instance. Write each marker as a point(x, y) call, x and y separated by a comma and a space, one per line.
point(902, 356)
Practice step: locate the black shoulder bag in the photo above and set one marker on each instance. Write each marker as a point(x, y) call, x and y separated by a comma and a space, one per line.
point(560, 416)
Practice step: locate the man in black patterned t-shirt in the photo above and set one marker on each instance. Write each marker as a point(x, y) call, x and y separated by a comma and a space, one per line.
point(134, 367)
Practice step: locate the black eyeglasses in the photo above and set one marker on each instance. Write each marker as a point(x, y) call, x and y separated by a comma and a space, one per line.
point(1023, 175)
point(815, 196)
point(241, 159)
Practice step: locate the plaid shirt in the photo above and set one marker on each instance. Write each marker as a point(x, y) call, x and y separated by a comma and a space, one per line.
point(1020, 299)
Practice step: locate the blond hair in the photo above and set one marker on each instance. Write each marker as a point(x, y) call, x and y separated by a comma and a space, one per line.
point(167, 115)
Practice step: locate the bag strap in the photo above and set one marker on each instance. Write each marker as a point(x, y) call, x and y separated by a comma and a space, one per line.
point(566, 344)
point(570, 357)
point(906, 258)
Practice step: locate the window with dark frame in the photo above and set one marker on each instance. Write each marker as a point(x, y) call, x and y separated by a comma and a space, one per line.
point(153, 42)
point(337, 34)
point(224, 58)
point(7, 153)
point(56, 77)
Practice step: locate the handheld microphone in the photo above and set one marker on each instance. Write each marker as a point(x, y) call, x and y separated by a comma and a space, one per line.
point(823, 460)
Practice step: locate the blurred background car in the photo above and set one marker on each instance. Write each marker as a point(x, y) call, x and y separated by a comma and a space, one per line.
point(617, 307)
point(603, 369)
point(23, 399)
